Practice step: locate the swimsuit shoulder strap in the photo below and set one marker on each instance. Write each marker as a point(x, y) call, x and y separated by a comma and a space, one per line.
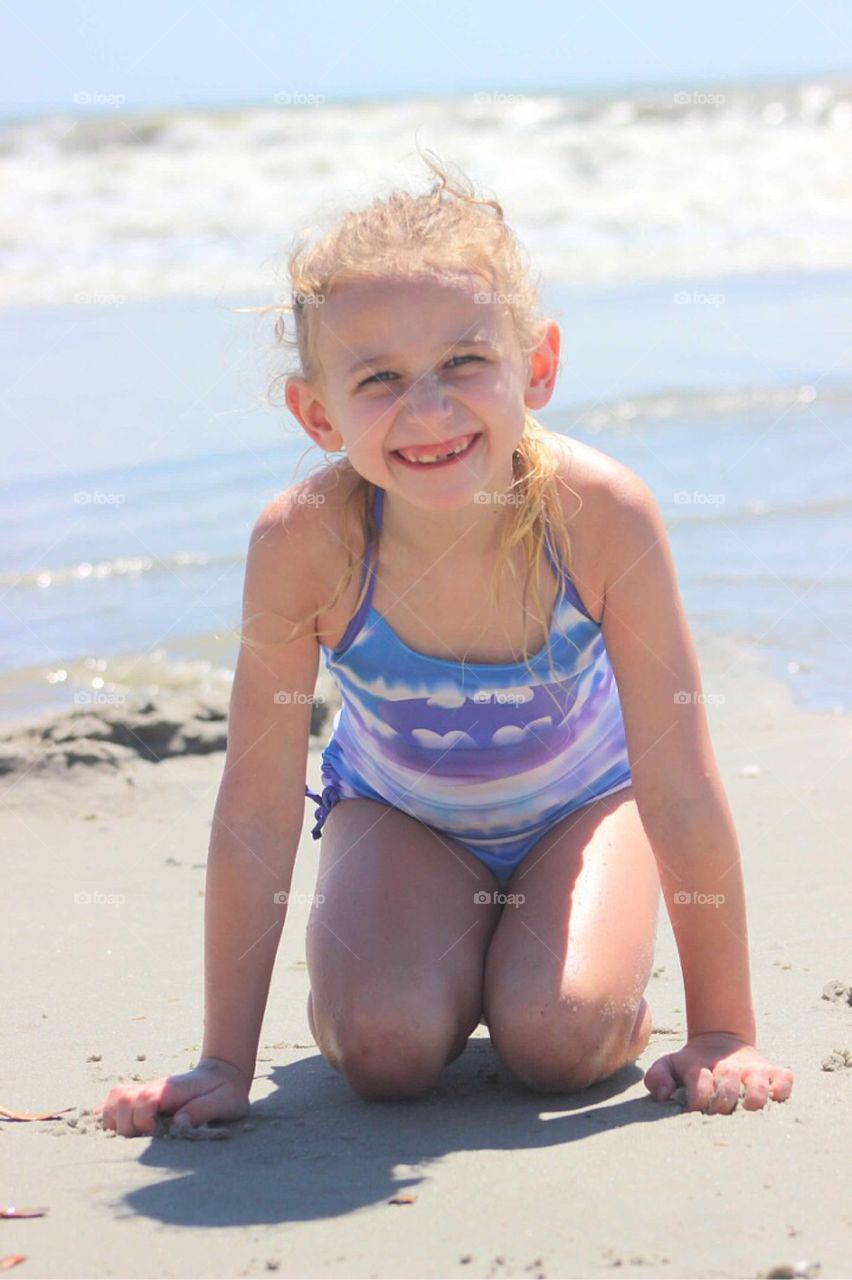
point(563, 577)
point(555, 561)
point(367, 568)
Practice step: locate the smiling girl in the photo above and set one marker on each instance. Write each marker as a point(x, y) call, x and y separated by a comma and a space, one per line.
point(521, 758)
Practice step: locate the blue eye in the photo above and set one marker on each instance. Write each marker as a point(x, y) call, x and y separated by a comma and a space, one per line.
point(385, 372)
point(479, 358)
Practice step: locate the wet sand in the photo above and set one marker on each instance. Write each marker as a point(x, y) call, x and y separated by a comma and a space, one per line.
point(104, 870)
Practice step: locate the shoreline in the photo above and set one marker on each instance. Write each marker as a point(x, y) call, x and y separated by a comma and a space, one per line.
point(152, 729)
point(109, 735)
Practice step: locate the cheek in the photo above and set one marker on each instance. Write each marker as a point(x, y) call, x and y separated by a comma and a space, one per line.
point(367, 422)
point(500, 393)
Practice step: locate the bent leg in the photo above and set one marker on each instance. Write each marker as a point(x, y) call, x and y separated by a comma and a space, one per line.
point(567, 966)
point(395, 948)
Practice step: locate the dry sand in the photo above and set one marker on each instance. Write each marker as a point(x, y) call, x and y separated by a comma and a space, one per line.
point(507, 1183)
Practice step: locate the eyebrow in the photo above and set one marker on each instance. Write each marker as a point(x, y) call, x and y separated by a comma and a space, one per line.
point(369, 362)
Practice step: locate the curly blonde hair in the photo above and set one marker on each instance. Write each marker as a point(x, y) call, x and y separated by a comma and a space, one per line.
point(449, 228)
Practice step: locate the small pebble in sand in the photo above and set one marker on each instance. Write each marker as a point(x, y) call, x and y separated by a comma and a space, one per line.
point(84, 1122)
point(837, 1060)
point(837, 991)
point(793, 1270)
point(169, 1127)
point(95, 1057)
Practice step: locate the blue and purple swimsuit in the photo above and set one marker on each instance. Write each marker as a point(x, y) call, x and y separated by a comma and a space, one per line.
point(486, 753)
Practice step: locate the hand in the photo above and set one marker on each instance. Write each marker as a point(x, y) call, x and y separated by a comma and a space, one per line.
point(212, 1090)
point(712, 1066)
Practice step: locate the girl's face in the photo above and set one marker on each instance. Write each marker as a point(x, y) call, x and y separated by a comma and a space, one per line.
point(430, 365)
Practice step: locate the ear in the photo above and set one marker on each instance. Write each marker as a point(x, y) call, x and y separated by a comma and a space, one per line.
point(543, 367)
point(303, 401)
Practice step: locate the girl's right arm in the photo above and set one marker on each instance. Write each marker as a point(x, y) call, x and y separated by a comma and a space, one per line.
point(257, 823)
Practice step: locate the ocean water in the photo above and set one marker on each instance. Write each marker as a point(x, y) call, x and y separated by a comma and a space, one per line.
point(703, 289)
point(667, 183)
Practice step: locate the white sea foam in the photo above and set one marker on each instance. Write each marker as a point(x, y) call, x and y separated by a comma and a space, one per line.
point(105, 208)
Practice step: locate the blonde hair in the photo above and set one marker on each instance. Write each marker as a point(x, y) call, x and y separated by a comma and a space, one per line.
point(447, 228)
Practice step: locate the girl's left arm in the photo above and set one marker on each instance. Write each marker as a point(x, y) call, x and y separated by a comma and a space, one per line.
point(682, 804)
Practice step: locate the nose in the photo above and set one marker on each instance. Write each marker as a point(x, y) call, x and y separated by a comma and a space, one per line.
point(427, 401)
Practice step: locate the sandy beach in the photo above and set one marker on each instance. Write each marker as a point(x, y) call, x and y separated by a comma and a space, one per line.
point(106, 836)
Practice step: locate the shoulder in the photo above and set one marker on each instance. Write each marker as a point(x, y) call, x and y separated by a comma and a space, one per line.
point(647, 637)
point(611, 511)
point(293, 538)
point(603, 482)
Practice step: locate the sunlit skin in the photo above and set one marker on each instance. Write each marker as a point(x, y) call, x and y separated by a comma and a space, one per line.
point(406, 362)
point(419, 361)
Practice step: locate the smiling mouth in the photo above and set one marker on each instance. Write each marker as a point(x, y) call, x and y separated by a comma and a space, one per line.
point(434, 455)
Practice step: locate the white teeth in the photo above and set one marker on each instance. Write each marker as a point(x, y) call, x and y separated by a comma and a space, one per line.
point(439, 457)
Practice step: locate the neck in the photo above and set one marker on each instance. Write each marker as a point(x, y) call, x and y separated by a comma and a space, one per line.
point(471, 532)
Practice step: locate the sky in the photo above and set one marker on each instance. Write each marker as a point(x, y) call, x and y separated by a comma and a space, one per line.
point(55, 54)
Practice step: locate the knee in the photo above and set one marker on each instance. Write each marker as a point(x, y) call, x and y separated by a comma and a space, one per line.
point(564, 1045)
point(389, 1058)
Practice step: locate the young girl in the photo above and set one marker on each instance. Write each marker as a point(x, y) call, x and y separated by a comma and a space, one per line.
point(495, 826)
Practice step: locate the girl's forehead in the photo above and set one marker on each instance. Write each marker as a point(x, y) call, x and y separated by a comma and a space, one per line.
point(436, 289)
point(431, 306)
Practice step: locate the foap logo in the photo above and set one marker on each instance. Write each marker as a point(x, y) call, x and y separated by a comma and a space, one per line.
point(294, 499)
point(697, 99)
point(685, 498)
point(491, 98)
point(87, 299)
point(307, 499)
point(97, 98)
point(685, 298)
point(501, 697)
point(483, 498)
point(298, 299)
point(296, 98)
point(489, 296)
point(684, 898)
point(483, 896)
point(684, 697)
point(99, 698)
point(97, 498)
point(95, 898)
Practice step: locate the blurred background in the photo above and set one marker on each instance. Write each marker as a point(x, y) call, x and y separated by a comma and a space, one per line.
point(680, 175)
